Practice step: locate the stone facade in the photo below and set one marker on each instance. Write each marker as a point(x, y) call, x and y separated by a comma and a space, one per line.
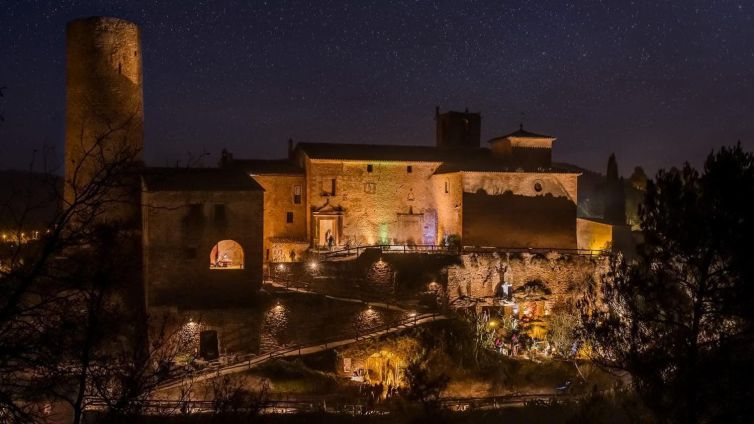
point(448, 189)
point(383, 202)
point(285, 217)
point(181, 232)
point(480, 275)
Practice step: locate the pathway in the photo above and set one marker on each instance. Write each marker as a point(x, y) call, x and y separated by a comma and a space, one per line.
point(315, 347)
point(384, 305)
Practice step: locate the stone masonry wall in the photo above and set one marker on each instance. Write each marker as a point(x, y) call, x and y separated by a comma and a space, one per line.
point(449, 203)
point(372, 201)
point(178, 239)
point(281, 236)
point(480, 274)
point(522, 183)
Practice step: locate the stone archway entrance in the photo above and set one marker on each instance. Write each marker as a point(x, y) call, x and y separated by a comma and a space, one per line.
point(327, 221)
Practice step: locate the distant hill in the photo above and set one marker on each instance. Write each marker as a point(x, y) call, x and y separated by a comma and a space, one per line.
point(28, 198)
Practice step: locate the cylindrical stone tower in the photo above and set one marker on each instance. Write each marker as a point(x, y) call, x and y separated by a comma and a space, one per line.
point(104, 110)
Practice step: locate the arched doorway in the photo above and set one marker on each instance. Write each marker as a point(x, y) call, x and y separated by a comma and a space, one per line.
point(226, 254)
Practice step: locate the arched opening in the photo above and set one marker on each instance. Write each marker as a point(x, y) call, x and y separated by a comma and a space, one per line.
point(226, 254)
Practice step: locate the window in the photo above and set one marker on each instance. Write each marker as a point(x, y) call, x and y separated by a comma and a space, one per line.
point(219, 213)
point(409, 169)
point(537, 186)
point(297, 194)
point(226, 254)
point(370, 188)
point(332, 187)
point(289, 217)
point(370, 168)
point(447, 187)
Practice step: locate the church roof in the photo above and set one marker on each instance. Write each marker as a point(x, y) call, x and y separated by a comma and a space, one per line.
point(198, 179)
point(266, 166)
point(375, 152)
point(520, 133)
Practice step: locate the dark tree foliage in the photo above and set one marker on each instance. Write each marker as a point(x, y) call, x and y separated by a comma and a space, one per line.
point(679, 316)
point(615, 198)
point(424, 385)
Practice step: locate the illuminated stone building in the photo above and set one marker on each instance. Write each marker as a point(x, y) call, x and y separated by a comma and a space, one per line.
point(201, 235)
point(207, 232)
point(508, 195)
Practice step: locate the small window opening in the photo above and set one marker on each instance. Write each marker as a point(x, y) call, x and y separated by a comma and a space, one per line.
point(409, 169)
point(289, 217)
point(370, 168)
point(297, 194)
point(447, 187)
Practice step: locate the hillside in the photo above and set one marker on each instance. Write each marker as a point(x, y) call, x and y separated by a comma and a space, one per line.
point(28, 200)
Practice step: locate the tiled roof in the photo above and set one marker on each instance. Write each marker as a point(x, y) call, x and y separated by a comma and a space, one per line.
point(198, 179)
point(521, 133)
point(266, 166)
point(382, 152)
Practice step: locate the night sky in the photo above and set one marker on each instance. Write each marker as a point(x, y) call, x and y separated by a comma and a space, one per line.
point(655, 82)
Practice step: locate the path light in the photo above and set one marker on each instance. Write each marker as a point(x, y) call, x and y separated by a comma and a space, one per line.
point(281, 267)
point(492, 324)
point(313, 265)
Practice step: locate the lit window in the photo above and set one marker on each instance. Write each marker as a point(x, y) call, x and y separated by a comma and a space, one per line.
point(289, 217)
point(297, 194)
point(226, 254)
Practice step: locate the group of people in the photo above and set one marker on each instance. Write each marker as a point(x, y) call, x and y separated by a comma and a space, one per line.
point(378, 391)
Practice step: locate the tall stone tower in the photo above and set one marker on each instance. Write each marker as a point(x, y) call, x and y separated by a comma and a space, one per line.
point(458, 129)
point(104, 110)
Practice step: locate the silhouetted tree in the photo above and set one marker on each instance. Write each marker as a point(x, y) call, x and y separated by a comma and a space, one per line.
point(423, 385)
point(68, 320)
point(679, 317)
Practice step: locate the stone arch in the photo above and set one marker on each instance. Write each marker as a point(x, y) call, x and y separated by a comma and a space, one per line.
point(226, 254)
